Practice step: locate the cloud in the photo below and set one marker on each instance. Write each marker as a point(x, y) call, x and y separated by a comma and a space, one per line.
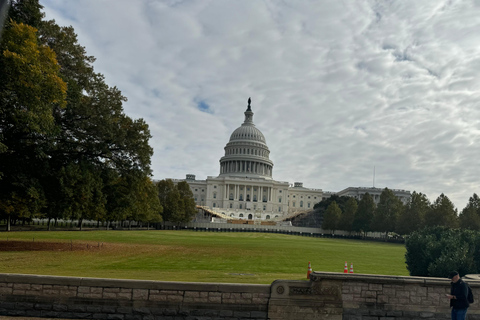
point(337, 87)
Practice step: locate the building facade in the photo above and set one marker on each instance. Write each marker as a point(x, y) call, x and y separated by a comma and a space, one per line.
point(245, 188)
point(359, 192)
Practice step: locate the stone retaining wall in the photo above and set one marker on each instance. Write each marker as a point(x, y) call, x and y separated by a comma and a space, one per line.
point(337, 296)
point(333, 296)
point(90, 298)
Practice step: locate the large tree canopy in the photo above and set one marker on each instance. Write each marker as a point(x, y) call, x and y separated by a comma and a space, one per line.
point(68, 148)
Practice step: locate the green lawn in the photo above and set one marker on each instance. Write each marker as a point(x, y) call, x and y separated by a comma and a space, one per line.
point(198, 256)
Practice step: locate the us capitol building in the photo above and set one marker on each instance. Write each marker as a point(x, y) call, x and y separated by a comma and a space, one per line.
point(245, 188)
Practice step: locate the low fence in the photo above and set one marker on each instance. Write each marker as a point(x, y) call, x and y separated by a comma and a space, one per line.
point(333, 296)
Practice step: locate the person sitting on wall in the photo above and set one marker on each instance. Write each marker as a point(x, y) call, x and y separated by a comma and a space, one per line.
point(458, 296)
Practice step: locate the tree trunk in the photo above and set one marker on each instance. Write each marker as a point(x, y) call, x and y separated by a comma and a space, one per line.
point(48, 224)
point(8, 223)
point(80, 222)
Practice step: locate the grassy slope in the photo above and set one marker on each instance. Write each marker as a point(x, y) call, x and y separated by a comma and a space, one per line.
point(199, 256)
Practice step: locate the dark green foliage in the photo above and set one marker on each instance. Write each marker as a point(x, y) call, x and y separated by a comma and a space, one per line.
point(413, 217)
point(177, 200)
point(68, 149)
point(364, 216)
point(340, 200)
point(442, 213)
point(387, 212)
point(436, 251)
point(470, 216)
point(348, 215)
point(331, 217)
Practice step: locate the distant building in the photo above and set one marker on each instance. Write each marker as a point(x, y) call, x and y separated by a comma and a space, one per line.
point(359, 192)
point(245, 188)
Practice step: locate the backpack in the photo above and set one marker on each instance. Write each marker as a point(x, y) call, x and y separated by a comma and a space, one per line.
point(470, 295)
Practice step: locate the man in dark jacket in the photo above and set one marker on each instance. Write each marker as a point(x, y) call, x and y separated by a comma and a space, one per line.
point(458, 296)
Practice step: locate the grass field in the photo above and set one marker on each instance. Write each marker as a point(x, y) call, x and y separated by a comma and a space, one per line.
point(195, 256)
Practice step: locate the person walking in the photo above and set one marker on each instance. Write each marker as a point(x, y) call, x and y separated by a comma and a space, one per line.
point(458, 296)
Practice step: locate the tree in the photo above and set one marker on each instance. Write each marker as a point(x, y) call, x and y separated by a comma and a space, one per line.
point(387, 212)
point(177, 201)
point(331, 217)
point(470, 216)
point(364, 216)
point(442, 213)
point(348, 215)
point(189, 205)
point(60, 144)
point(413, 217)
point(30, 88)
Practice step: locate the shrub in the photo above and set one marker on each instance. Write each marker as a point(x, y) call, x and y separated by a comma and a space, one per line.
point(435, 251)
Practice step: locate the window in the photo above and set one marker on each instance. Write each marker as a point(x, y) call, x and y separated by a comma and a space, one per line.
point(264, 207)
point(255, 197)
point(231, 196)
point(195, 189)
point(214, 195)
point(231, 205)
point(308, 197)
point(254, 207)
point(248, 189)
point(280, 191)
point(241, 197)
point(214, 204)
point(294, 203)
point(241, 215)
point(280, 199)
point(254, 189)
point(267, 217)
point(301, 204)
point(279, 209)
point(308, 204)
point(294, 196)
point(215, 187)
point(240, 207)
point(264, 198)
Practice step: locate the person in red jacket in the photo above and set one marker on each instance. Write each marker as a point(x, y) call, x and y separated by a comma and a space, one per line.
point(458, 296)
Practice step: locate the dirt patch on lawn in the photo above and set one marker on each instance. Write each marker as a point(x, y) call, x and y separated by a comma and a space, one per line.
point(48, 246)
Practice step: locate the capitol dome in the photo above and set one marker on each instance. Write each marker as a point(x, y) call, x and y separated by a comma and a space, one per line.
point(247, 153)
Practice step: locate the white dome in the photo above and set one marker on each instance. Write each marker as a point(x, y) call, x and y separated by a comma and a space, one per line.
point(248, 132)
point(247, 154)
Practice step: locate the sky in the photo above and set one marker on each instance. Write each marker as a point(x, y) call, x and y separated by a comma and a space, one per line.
point(347, 93)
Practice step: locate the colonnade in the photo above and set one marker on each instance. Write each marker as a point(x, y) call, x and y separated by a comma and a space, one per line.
point(233, 192)
point(238, 166)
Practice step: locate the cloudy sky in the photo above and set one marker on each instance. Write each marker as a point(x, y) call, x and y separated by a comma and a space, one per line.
point(338, 87)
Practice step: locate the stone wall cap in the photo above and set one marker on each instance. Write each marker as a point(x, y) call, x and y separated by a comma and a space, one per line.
point(133, 284)
point(318, 276)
